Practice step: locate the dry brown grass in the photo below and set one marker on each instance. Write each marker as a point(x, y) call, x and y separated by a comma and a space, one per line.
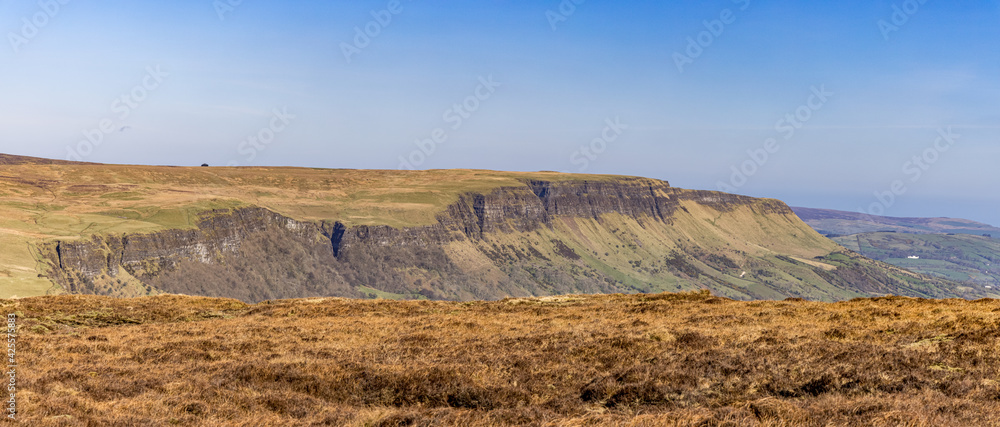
point(637, 360)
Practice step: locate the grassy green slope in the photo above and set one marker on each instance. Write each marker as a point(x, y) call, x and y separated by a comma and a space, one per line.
point(42, 202)
point(740, 254)
point(959, 257)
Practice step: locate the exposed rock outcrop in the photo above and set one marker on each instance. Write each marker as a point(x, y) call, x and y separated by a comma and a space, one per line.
point(541, 238)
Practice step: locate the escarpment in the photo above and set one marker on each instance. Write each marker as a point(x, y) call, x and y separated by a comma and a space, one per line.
point(190, 260)
point(542, 237)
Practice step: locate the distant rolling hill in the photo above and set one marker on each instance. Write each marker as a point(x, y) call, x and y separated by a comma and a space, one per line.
point(270, 233)
point(950, 248)
point(959, 257)
point(7, 159)
point(834, 222)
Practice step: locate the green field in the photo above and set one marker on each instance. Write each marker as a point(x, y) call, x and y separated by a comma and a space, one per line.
point(958, 257)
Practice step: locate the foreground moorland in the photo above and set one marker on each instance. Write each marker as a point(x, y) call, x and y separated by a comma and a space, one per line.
point(656, 359)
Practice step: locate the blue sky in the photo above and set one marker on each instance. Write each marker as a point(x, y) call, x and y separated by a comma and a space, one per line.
point(199, 81)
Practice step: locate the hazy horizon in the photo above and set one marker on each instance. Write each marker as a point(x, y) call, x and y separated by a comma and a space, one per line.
point(832, 106)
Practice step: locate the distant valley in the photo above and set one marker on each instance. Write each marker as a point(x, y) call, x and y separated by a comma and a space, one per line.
point(954, 249)
point(959, 257)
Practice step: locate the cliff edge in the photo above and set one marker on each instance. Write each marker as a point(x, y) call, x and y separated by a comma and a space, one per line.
point(266, 233)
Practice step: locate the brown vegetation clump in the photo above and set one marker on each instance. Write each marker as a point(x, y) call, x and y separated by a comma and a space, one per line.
point(631, 360)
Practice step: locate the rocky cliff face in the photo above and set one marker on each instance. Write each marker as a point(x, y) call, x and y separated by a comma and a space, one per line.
point(545, 237)
point(98, 265)
point(592, 199)
point(521, 209)
point(145, 255)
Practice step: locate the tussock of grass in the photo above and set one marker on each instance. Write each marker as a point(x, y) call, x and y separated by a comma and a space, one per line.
point(664, 359)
